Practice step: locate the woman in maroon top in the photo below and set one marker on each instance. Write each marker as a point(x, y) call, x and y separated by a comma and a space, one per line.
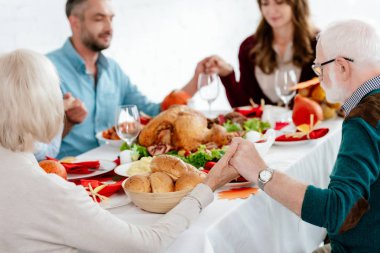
point(284, 38)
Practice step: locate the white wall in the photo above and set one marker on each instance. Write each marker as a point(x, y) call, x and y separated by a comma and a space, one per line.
point(159, 42)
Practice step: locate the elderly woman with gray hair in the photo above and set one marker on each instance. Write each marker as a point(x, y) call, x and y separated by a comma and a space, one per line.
point(44, 213)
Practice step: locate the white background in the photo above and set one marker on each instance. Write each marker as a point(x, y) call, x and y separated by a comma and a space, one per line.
point(159, 42)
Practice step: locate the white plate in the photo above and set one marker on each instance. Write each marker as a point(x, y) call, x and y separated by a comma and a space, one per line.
point(214, 114)
point(105, 166)
point(238, 184)
point(102, 140)
point(116, 200)
point(122, 170)
point(263, 148)
point(292, 143)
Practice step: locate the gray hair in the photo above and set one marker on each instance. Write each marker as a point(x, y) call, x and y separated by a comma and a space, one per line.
point(30, 100)
point(353, 39)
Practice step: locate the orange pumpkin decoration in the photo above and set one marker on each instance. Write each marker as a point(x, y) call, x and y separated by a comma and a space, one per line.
point(176, 97)
point(303, 108)
point(51, 166)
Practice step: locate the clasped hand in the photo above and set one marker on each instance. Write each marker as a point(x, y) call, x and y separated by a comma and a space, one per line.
point(242, 159)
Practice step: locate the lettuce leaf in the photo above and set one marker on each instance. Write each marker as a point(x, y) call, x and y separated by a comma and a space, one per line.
point(231, 127)
point(138, 151)
point(257, 125)
point(203, 155)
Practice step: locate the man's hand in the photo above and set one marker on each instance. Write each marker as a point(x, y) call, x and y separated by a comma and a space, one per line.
point(75, 111)
point(247, 161)
point(222, 172)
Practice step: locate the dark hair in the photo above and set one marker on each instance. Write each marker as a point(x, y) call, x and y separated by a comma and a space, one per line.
point(71, 5)
point(263, 53)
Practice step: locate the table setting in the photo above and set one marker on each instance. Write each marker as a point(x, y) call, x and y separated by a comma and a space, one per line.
point(285, 139)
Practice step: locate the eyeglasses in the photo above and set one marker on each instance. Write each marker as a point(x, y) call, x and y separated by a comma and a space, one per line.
point(318, 70)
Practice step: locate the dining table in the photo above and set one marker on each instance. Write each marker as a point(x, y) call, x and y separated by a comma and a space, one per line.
point(257, 223)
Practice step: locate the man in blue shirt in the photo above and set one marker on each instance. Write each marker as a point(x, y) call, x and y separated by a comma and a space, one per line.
point(96, 80)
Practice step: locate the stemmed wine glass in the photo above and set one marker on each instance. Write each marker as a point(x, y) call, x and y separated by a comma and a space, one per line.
point(285, 79)
point(128, 124)
point(208, 87)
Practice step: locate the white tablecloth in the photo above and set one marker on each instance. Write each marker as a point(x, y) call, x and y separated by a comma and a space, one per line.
point(256, 224)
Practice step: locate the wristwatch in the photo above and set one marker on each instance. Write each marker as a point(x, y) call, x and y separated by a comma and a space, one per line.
point(264, 177)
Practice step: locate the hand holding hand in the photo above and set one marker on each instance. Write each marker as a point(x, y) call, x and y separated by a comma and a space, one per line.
point(222, 172)
point(247, 161)
point(215, 64)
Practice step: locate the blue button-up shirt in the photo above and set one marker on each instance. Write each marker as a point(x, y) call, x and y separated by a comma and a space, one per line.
point(101, 97)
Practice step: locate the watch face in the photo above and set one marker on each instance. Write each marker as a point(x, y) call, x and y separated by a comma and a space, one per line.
point(265, 175)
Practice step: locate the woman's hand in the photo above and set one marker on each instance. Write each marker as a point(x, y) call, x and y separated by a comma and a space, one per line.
point(222, 172)
point(212, 64)
point(247, 161)
point(215, 64)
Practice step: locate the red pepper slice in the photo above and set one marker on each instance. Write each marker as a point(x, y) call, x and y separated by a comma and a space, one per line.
point(144, 120)
point(209, 165)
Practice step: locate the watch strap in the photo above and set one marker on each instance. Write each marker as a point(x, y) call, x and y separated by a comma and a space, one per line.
point(261, 183)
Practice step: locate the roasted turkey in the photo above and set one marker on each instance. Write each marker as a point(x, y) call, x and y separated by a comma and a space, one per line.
point(181, 127)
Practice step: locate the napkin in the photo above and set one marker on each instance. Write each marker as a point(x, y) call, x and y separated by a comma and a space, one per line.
point(250, 112)
point(238, 193)
point(280, 125)
point(315, 134)
point(99, 190)
point(78, 167)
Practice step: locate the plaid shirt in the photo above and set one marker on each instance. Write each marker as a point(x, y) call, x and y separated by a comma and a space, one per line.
point(362, 91)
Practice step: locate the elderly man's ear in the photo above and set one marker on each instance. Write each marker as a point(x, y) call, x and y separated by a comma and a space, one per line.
point(344, 69)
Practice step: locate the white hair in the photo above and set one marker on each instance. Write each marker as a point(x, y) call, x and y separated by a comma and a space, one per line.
point(30, 100)
point(353, 39)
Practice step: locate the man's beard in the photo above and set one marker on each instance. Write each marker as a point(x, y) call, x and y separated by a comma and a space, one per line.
point(336, 93)
point(90, 42)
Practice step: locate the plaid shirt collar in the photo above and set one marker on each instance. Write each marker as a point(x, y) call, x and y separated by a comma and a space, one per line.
point(362, 91)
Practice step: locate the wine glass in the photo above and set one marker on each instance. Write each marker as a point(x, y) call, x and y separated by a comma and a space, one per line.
point(208, 87)
point(284, 80)
point(128, 124)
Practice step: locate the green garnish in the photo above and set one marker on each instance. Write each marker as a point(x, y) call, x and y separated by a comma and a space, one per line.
point(232, 127)
point(255, 124)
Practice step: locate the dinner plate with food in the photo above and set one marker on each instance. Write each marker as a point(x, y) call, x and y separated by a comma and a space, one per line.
point(109, 136)
point(139, 167)
point(105, 166)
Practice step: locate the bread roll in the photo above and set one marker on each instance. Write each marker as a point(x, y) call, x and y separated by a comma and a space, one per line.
point(187, 182)
point(138, 183)
point(161, 182)
point(192, 169)
point(171, 165)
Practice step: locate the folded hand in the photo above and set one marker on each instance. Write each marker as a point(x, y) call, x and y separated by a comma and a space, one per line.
point(246, 160)
point(222, 172)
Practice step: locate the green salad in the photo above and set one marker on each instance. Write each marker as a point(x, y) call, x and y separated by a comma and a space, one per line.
point(257, 125)
point(203, 155)
point(138, 151)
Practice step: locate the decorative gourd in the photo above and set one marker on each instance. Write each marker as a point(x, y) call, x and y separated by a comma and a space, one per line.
point(51, 166)
point(313, 90)
point(303, 108)
point(176, 97)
